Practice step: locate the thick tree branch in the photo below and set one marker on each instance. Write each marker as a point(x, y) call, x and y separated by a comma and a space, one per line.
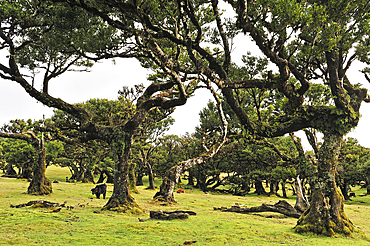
point(225, 42)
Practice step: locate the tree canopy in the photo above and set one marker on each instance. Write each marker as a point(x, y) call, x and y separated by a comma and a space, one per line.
point(188, 45)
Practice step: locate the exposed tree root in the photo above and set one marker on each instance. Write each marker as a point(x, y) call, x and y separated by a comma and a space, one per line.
point(42, 186)
point(114, 204)
point(320, 219)
point(282, 207)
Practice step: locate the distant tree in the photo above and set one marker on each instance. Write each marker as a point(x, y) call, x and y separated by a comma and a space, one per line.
point(2, 160)
point(352, 157)
point(28, 153)
point(168, 154)
point(146, 143)
point(365, 169)
point(20, 155)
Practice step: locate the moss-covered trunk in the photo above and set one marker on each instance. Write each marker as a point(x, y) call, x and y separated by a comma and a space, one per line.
point(326, 212)
point(132, 178)
point(169, 181)
point(121, 200)
point(40, 184)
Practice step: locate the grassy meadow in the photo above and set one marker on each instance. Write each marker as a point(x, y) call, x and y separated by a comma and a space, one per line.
point(81, 226)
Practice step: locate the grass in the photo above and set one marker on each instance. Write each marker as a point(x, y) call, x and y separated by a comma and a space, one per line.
point(81, 226)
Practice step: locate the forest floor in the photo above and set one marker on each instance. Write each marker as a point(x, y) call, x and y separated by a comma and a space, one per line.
point(86, 224)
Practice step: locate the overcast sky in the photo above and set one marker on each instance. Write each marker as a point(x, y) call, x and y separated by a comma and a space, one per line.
point(106, 78)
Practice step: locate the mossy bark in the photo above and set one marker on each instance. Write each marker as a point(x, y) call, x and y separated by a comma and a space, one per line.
point(326, 212)
point(132, 179)
point(165, 194)
point(301, 203)
point(121, 200)
point(171, 177)
point(40, 184)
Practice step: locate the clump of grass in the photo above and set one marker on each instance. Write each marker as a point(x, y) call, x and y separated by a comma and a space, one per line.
point(89, 225)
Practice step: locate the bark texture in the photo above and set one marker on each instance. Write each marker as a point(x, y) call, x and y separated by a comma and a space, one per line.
point(164, 215)
point(171, 177)
point(301, 203)
point(326, 213)
point(282, 207)
point(121, 200)
point(40, 184)
point(132, 179)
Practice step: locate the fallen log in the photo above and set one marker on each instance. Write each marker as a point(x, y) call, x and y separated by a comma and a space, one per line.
point(282, 207)
point(38, 204)
point(165, 215)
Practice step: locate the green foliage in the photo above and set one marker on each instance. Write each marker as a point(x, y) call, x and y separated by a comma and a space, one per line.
point(19, 154)
point(168, 153)
point(352, 160)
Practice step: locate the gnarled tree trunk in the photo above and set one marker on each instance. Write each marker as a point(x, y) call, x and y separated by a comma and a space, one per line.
point(326, 212)
point(10, 172)
point(40, 184)
point(171, 178)
point(132, 179)
point(121, 200)
point(301, 203)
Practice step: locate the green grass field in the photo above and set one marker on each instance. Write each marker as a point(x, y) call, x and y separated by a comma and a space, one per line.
point(81, 226)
